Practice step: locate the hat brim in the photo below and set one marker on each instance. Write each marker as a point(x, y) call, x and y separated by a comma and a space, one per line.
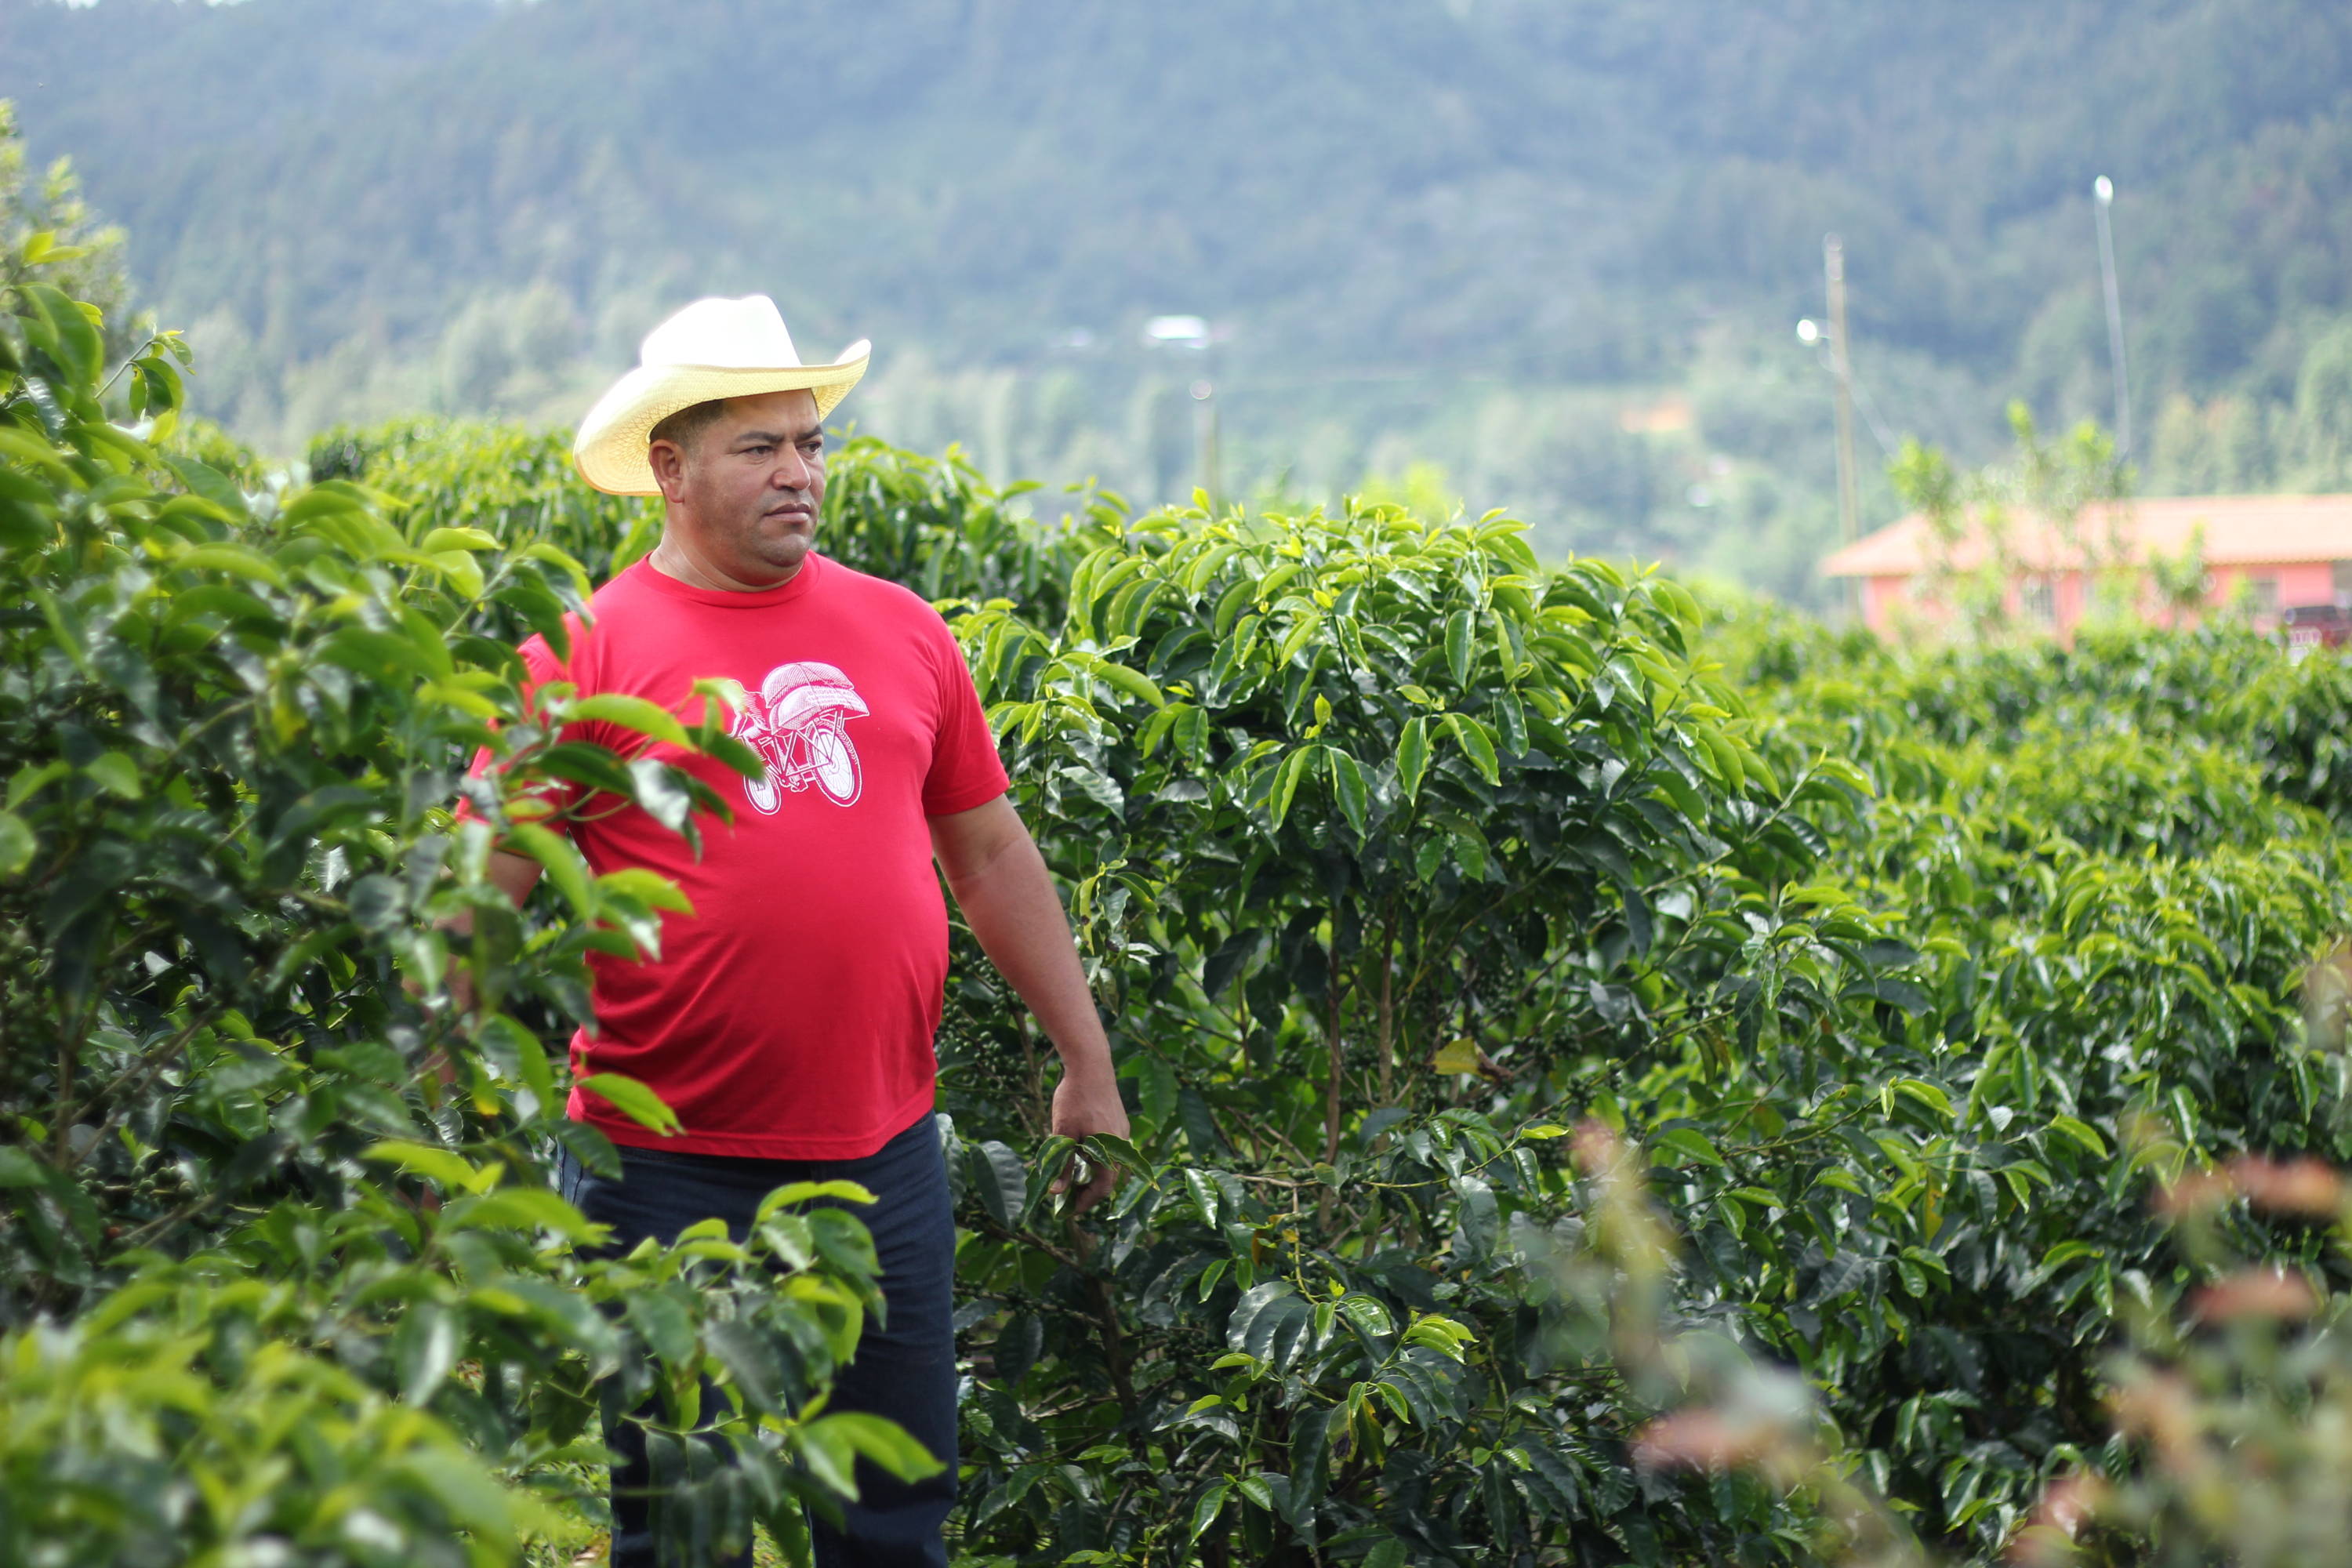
point(610, 449)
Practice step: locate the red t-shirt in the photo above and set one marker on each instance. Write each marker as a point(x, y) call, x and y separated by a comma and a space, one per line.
point(792, 1014)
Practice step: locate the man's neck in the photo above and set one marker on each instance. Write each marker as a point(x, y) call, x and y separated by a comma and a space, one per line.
point(675, 560)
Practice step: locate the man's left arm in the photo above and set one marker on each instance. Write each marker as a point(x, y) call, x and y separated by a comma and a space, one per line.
point(1007, 897)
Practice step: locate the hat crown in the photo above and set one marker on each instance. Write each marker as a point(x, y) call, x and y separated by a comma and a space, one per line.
point(748, 333)
point(713, 349)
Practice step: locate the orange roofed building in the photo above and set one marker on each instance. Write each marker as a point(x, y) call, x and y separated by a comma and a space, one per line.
point(2278, 551)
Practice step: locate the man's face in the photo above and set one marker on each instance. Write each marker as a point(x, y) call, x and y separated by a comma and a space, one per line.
point(745, 496)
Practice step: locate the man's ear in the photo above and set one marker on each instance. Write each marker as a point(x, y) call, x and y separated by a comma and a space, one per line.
point(667, 459)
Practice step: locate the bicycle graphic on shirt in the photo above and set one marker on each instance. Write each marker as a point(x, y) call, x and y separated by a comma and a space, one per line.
point(797, 723)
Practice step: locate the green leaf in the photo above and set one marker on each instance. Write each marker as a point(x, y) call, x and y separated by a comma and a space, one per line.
point(1926, 1094)
point(1270, 1322)
point(1212, 1503)
point(1206, 1197)
point(650, 888)
point(2080, 1133)
point(1368, 1315)
point(234, 558)
point(2066, 1252)
point(519, 1208)
point(424, 1349)
point(749, 1356)
point(369, 653)
point(647, 718)
point(453, 1477)
point(1455, 1056)
point(18, 1168)
point(442, 539)
point(1460, 629)
point(210, 485)
point(1230, 604)
point(564, 866)
point(1413, 755)
point(633, 1101)
point(1477, 744)
point(30, 780)
point(463, 572)
point(500, 1033)
point(1690, 1142)
point(375, 901)
point(1434, 1330)
point(16, 844)
point(1348, 784)
point(1296, 637)
point(792, 1194)
point(1724, 757)
point(1133, 684)
point(116, 774)
point(449, 1171)
point(1156, 728)
point(733, 753)
point(57, 327)
point(1156, 1086)
point(665, 1325)
point(1205, 567)
point(658, 790)
point(1287, 774)
point(1003, 1181)
point(881, 1442)
point(1116, 1151)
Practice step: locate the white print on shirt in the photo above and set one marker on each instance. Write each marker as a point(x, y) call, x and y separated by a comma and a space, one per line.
point(795, 722)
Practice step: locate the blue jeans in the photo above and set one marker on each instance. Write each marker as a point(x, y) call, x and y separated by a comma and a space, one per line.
point(904, 1368)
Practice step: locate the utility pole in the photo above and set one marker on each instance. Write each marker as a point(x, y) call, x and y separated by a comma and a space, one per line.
point(1842, 367)
point(2103, 197)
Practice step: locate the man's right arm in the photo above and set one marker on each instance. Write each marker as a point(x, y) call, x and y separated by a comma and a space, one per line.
point(513, 875)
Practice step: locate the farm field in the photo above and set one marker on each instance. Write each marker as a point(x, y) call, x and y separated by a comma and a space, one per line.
point(1618, 1074)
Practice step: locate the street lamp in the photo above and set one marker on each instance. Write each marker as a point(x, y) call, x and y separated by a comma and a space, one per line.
point(1193, 334)
point(1176, 332)
point(1204, 436)
point(1816, 337)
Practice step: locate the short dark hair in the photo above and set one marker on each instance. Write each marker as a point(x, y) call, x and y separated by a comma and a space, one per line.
point(681, 428)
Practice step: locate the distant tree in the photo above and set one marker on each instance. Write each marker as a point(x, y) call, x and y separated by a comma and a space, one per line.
point(2041, 484)
point(475, 358)
point(2323, 408)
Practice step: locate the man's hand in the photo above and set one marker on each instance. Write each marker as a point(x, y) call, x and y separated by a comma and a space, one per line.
point(515, 876)
point(511, 874)
point(1007, 897)
point(1082, 1108)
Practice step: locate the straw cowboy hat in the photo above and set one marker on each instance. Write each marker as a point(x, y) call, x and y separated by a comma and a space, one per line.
point(711, 349)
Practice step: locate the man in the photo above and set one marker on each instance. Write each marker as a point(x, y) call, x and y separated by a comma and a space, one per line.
point(788, 1020)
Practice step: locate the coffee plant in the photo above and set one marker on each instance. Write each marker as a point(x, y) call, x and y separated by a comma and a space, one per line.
point(1615, 1078)
point(284, 1277)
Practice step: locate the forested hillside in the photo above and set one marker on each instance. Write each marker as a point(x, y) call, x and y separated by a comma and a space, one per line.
point(1478, 233)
